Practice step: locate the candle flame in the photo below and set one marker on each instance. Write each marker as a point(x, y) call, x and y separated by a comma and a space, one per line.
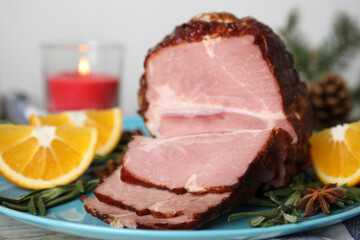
point(83, 66)
point(83, 48)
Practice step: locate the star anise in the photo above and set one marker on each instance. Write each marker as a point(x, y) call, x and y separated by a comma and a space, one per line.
point(313, 199)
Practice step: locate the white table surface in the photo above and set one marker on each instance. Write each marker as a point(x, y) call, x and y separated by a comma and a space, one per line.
point(13, 229)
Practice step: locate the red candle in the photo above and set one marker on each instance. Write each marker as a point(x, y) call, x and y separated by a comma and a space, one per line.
point(81, 90)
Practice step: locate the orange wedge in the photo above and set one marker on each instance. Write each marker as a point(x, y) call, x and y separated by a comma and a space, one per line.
point(336, 154)
point(43, 157)
point(107, 122)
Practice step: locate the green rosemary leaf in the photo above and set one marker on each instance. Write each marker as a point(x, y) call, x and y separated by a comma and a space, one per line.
point(354, 190)
point(80, 186)
point(9, 200)
point(27, 197)
point(274, 221)
point(17, 207)
point(349, 202)
point(91, 185)
point(52, 193)
point(41, 206)
point(295, 212)
point(46, 198)
point(340, 204)
point(265, 213)
point(256, 221)
point(289, 218)
point(67, 186)
point(293, 199)
point(65, 198)
point(31, 205)
point(353, 196)
point(281, 204)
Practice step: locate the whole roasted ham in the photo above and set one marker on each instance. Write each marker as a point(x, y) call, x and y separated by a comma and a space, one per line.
point(229, 116)
point(217, 73)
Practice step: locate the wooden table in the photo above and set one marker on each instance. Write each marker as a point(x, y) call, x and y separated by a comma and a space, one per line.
point(13, 229)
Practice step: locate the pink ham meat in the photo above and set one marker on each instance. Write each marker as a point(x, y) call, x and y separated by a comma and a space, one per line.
point(120, 218)
point(154, 201)
point(218, 72)
point(208, 162)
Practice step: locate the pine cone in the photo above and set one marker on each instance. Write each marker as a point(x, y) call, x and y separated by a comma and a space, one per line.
point(331, 101)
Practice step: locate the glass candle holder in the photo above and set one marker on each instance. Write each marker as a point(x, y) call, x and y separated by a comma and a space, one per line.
point(82, 75)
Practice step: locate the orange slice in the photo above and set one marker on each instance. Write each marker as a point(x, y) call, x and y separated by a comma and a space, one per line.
point(43, 157)
point(336, 154)
point(107, 122)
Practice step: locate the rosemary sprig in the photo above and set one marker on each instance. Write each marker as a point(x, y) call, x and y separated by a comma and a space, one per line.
point(284, 203)
point(282, 213)
point(41, 200)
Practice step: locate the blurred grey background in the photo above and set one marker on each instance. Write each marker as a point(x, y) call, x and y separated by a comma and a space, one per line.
point(139, 25)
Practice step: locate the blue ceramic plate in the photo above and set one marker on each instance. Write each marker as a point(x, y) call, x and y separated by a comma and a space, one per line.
point(71, 218)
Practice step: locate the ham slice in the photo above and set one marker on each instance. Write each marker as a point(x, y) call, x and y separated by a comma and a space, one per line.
point(154, 201)
point(209, 162)
point(120, 218)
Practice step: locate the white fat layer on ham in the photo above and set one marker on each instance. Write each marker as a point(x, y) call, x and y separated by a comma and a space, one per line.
point(209, 44)
point(226, 79)
point(148, 144)
point(192, 186)
point(179, 106)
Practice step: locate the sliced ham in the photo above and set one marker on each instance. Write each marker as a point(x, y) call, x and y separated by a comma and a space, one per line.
point(154, 201)
point(209, 162)
point(120, 218)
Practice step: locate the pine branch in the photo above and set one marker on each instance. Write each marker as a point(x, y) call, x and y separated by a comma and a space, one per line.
point(333, 55)
point(343, 43)
point(297, 44)
point(292, 22)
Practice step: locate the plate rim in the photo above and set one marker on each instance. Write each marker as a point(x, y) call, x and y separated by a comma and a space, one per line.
point(322, 221)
